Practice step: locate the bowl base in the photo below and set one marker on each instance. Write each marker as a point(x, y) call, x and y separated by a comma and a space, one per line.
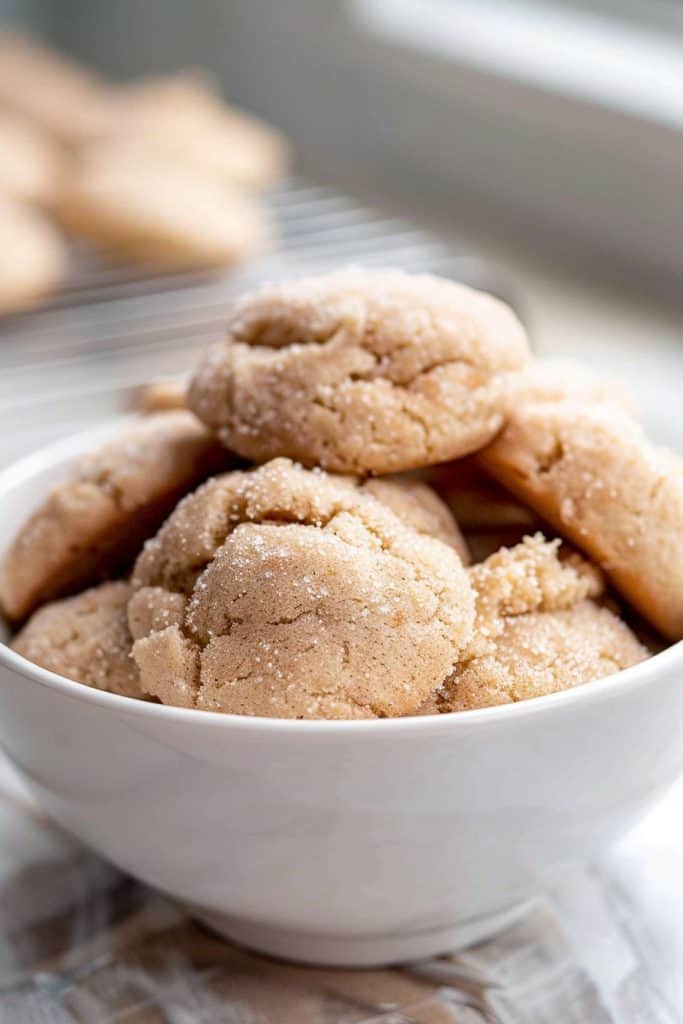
point(358, 951)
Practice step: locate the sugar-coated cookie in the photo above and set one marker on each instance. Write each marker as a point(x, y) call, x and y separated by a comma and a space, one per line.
point(361, 371)
point(181, 118)
point(418, 505)
point(591, 473)
point(32, 257)
point(537, 630)
point(489, 515)
point(30, 164)
point(94, 524)
point(149, 210)
point(62, 97)
point(285, 592)
point(85, 638)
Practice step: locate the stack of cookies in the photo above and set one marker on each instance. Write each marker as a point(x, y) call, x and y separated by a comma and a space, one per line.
point(159, 171)
point(374, 504)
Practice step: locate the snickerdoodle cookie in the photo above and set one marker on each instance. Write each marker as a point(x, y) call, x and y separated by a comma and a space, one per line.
point(590, 471)
point(30, 164)
point(288, 593)
point(32, 257)
point(85, 638)
point(537, 630)
point(361, 371)
point(94, 524)
point(151, 210)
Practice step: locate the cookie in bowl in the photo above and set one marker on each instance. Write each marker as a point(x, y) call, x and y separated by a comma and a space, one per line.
point(418, 505)
point(85, 638)
point(361, 371)
point(92, 526)
point(590, 471)
point(284, 592)
point(538, 630)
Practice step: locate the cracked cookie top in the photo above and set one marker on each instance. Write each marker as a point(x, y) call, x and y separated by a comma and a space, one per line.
point(93, 525)
point(85, 638)
point(417, 505)
point(361, 371)
point(537, 630)
point(590, 472)
point(284, 592)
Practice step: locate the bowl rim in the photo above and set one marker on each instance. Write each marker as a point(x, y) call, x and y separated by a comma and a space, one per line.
point(623, 682)
point(619, 683)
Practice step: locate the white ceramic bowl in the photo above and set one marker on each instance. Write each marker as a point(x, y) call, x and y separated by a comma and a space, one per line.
point(349, 843)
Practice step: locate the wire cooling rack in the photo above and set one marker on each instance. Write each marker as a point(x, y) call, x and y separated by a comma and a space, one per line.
point(81, 356)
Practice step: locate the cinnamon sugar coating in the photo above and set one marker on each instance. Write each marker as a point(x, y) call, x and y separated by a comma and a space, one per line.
point(94, 524)
point(538, 630)
point(419, 506)
point(288, 593)
point(591, 473)
point(85, 638)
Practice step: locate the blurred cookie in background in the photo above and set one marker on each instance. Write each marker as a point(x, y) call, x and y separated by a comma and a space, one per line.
point(32, 256)
point(182, 118)
point(145, 209)
point(30, 163)
point(59, 95)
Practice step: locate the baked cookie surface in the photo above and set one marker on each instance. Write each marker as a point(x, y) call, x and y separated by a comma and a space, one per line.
point(32, 257)
point(417, 505)
point(150, 210)
point(94, 524)
point(85, 638)
point(283, 592)
point(537, 630)
point(361, 371)
point(591, 473)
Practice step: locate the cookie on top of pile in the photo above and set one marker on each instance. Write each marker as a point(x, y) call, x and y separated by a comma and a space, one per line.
point(368, 502)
